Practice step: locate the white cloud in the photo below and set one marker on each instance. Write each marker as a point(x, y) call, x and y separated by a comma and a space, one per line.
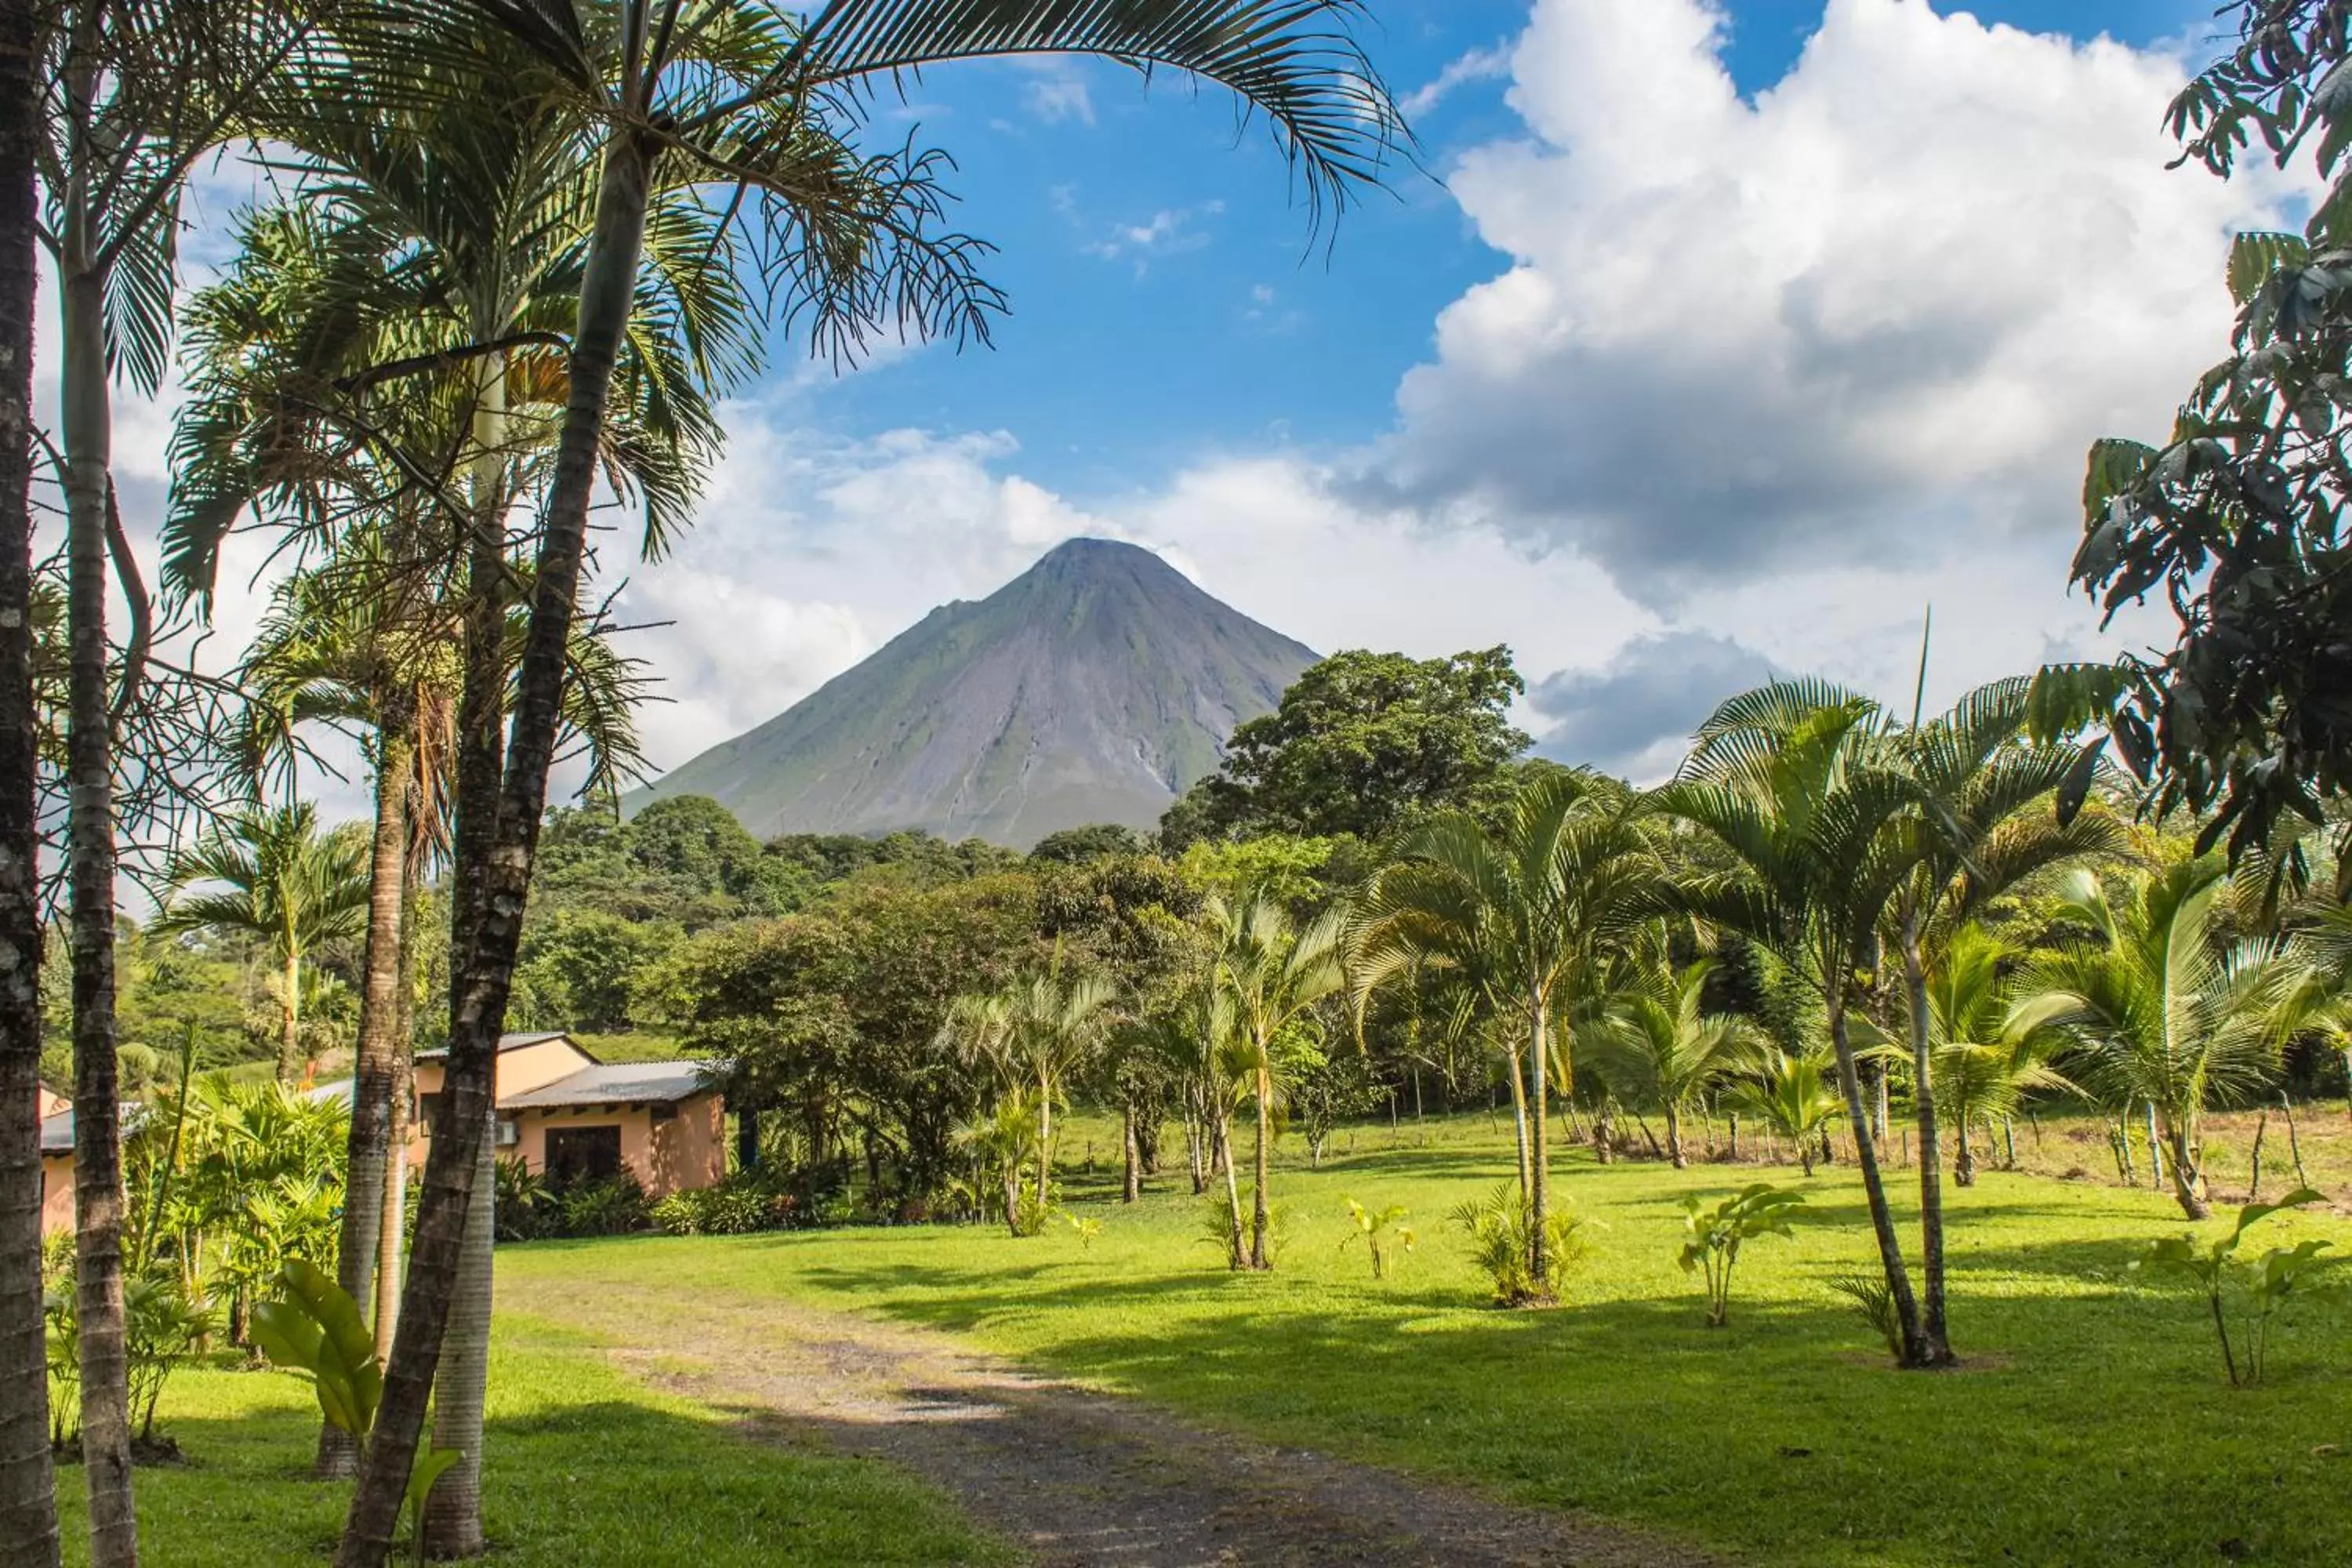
point(1059, 96)
point(1878, 309)
point(1479, 64)
point(1170, 231)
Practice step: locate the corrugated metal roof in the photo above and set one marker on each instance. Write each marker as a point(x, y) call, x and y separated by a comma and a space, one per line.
point(616, 1083)
point(56, 1132)
point(516, 1042)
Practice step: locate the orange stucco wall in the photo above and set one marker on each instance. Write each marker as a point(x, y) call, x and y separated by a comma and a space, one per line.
point(690, 1150)
point(56, 1193)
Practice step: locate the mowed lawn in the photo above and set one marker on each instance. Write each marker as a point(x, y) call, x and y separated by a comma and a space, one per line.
point(2091, 1425)
point(587, 1470)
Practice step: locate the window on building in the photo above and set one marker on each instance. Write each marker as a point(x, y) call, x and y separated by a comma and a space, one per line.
point(582, 1153)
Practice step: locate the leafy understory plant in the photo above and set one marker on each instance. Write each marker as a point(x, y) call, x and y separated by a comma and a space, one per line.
point(1873, 1303)
point(1374, 1229)
point(1712, 1238)
point(2261, 1286)
point(1499, 1227)
point(316, 1329)
point(1086, 1228)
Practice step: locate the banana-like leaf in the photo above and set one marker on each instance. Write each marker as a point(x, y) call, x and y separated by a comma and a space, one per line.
point(321, 1329)
point(430, 1465)
point(287, 1336)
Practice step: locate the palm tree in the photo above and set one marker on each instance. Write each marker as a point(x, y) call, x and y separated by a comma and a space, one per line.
point(1272, 969)
point(402, 318)
point(1991, 772)
point(1529, 920)
point(1795, 1098)
point(1035, 1034)
point(1660, 1047)
point(1798, 784)
point(272, 878)
point(1989, 1048)
point(133, 95)
point(2167, 1011)
point(28, 1513)
point(753, 102)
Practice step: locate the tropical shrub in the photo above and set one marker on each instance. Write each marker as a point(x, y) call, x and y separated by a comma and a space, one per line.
point(1373, 1227)
point(740, 1205)
point(525, 1201)
point(1500, 1227)
point(613, 1206)
point(2259, 1286)
point(1712, 1238)
point(162, 1327)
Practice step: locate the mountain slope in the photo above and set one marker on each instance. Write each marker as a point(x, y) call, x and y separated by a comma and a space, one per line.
point(1096, 687)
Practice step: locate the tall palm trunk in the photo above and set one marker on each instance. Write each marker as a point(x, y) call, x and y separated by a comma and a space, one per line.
point(28, 1511)
point(452, 1514)
point(394, 1227)
point(368, 1146)
point(289, 1020)
point(87, 425)
point(1874, 1186)
point(1538, 1131)
point(1934, 1342)
point(1044, 1142)
point(1132, 1188)
point(492, 891)
point(1222, 1156)
point(1261, 1210)
point(1519, 1126)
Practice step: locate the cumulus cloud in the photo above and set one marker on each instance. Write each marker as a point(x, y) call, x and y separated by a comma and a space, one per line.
point(1877, 310)
point(1634, 714)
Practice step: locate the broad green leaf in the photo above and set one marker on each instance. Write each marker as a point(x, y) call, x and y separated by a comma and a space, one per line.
point(2116, 465)
point(287, 1335)
point(2254, 256)
point(430, 1465)
point(2253, 1214)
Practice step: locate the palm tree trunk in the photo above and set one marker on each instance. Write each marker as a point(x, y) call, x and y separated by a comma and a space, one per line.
point(1539, 1128)
point(1674, 1137)
point(1874, 1186)
point(452, 1514)
point(1934, 1342)
point(493, 890)
point(87, 421)
point(1225, 1156)
point(28, 1509)
point(289, 1021)
point(1261, 1210)
point(368, 1149)
point(2186, 1186)
point(1520, 1127)
point(1044, 1142)
point(393, 1228)
point(1131, 1189)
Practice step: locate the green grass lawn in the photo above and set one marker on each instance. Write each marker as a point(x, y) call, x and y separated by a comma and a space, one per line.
point(2092, 1426)
point(587, 1468)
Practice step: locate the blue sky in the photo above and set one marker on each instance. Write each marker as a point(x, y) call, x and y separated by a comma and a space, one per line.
point(1125, 357)
point(1706, 344)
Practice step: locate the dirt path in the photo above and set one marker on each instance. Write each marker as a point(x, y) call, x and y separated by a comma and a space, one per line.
point(1078, 1478)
